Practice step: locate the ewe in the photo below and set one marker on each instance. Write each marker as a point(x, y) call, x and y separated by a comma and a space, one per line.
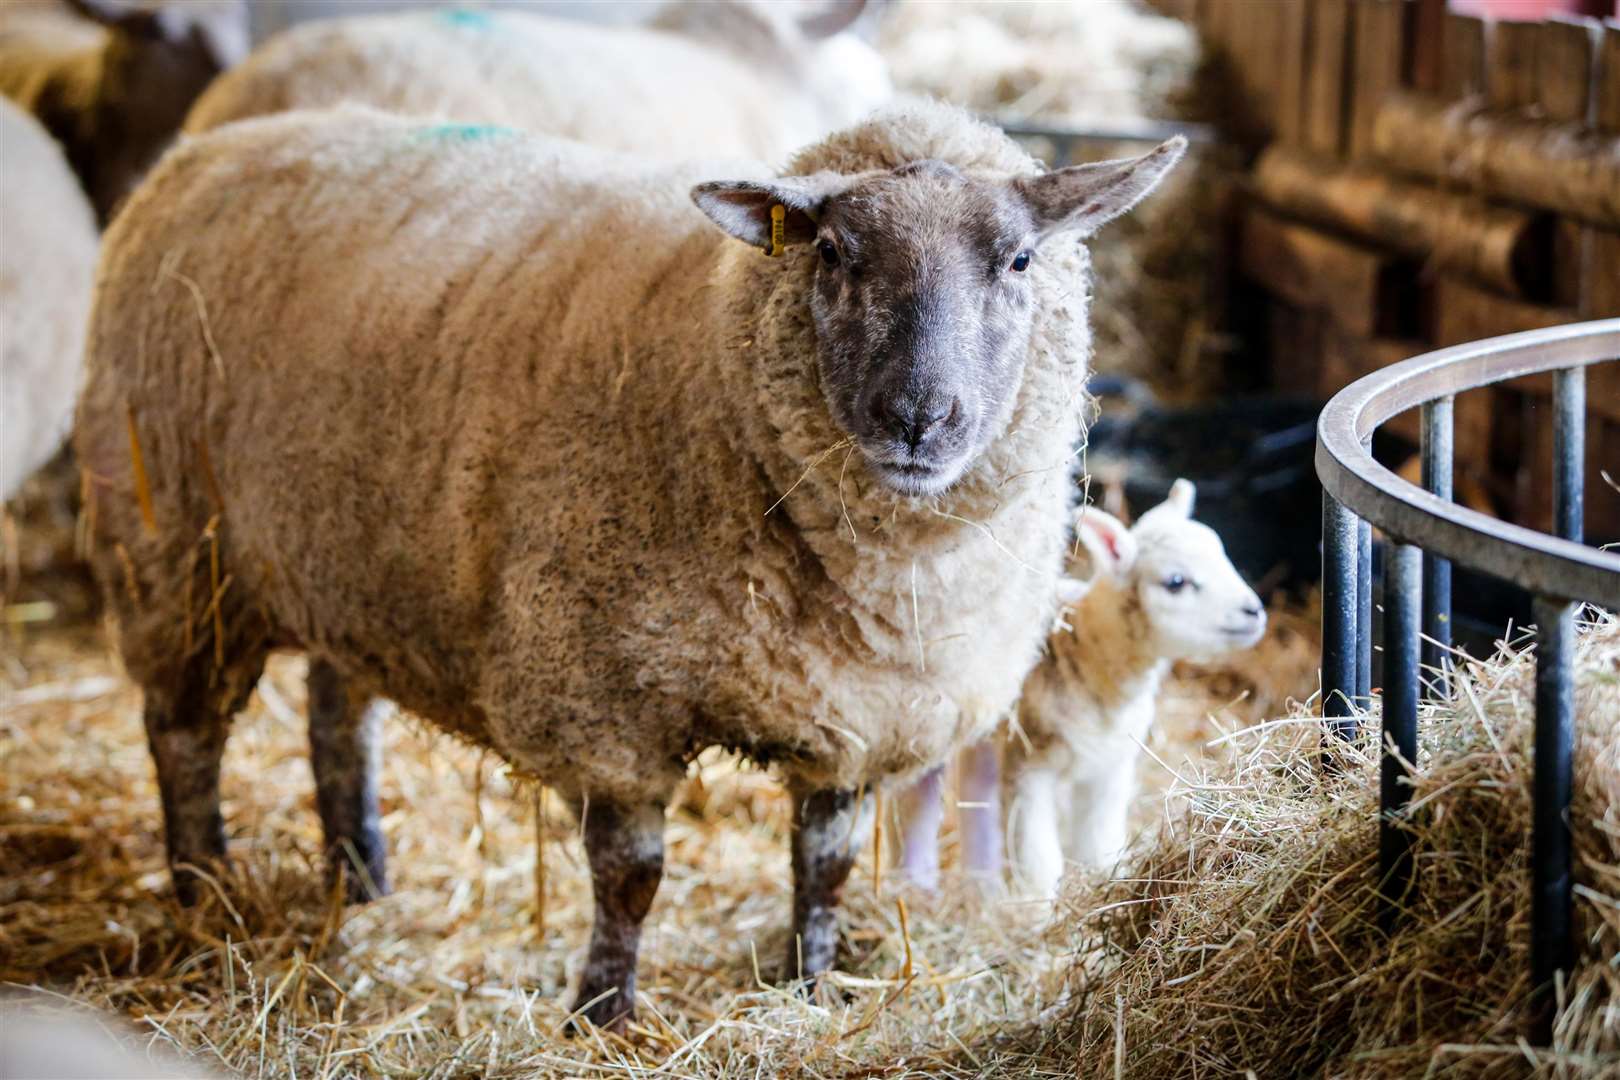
point(740, 79)
point(501, 427)
point(1159, 592)
point(47, 263)
point(113, 82)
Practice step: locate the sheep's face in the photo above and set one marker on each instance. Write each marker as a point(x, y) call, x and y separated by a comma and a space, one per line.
point(924, 293)
point(1195, 604)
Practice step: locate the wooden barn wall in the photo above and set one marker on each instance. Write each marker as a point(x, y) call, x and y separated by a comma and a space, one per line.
point(1425, 178)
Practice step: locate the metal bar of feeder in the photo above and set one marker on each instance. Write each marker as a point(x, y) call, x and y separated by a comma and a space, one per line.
point(1437, 460)
point(1364, 604)
point(1569, 452)
point(1552, 947)
point(1403, 598)
point(1340, 615)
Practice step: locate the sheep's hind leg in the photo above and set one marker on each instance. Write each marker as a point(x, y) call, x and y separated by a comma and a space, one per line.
point(980, 810)
point(345, 732)
point(829, 829)
point(187, 740)
point(625, 846)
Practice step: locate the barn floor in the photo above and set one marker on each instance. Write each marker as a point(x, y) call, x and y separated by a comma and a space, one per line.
point(453, 975)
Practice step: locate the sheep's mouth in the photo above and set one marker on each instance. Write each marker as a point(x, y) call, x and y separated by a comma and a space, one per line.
point(918, 478)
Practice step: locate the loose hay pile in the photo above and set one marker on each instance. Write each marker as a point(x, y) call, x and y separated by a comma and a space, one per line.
point(450, 976)
point(1247, 941)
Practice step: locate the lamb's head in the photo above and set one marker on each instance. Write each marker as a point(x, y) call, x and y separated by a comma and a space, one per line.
point(924, 291)
point(1194, 603)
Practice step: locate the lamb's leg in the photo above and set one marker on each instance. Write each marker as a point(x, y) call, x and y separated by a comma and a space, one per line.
point(1102, 808)
point(187, 740)
point(830, 827)
point(921, 811)
point(625, 846)
point(1037, 851)
point(980, 789)
point(344, 745)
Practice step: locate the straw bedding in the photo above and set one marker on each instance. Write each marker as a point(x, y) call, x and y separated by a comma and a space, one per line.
point(450, 976)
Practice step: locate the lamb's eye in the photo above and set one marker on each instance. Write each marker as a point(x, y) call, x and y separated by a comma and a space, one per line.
point(1020, 262)
point(1175, 583)
point(829, 253)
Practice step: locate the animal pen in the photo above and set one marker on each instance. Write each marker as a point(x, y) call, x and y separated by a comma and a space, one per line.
point(1374, 314)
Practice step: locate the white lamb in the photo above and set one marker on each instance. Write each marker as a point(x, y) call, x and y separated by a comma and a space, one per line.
point(1159, 592)
point(739, 79)
point(47, 264)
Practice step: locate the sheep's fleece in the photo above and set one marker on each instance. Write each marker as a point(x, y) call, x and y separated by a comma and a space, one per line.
point(495, 421)
point(742, 81)
point(47, 263)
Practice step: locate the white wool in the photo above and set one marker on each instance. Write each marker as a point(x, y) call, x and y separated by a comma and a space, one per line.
point(47, 260)
point(728, 80)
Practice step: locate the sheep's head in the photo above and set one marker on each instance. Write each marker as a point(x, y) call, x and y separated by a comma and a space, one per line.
point(1195, 604)
point(925, 291)
point(158, 59)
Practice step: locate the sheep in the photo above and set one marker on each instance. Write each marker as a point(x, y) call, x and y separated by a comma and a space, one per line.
point(112, 82)
point(501, 427)
point(1160, 591)
point(47, 264)
point(738, 79)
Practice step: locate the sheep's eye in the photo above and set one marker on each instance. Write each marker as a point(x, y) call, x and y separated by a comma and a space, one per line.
point(829, 253)
point(1020, 262)
point(1175, 583)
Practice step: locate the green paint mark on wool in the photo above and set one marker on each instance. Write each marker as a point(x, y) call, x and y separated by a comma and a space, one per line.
point(465, 19)
point(464, 133)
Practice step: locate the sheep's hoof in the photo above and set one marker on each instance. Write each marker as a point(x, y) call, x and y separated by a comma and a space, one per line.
point(609, 1013)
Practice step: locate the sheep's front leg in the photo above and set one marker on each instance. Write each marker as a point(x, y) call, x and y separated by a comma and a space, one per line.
point(1037, 851)
point(829, 829)
point(625, 846)
point(1102, 807)
point(187, 740)
point(345, 731)
point(980, 809)
point(921, 810)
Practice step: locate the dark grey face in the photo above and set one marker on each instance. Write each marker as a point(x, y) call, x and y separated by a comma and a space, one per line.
point(924, 292)
point(922, 307)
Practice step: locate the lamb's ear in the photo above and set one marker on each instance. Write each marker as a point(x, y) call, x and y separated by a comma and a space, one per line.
point(742, 208)
point(1071, 591)
point(1182, 494)
point(833, 17)
point(1106, 539)
point(1081, 198)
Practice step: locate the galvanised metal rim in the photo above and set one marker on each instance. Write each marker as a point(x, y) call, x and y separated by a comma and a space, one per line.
point(1542, 564)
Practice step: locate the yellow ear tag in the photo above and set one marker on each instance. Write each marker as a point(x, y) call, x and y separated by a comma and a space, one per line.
point(778, 229)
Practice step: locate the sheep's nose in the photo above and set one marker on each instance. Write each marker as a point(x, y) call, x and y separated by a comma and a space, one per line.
point(913, 421)
point(1253, 609)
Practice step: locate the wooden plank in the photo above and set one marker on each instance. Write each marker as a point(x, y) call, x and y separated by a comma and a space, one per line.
point(1317, 272)
point(1380, 63)
point(1566, 49)
point(1462, 57)
point(1326, 107)
point(1600, 284)
point(1607, 95)
point(1466, 313)
point(1292, 26)
point(1428, 44)
point(1510, 65)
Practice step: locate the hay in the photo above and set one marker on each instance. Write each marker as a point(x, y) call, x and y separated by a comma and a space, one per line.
point(449, 976)
point(1246, 943)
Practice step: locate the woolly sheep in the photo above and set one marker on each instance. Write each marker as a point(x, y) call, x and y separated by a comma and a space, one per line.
point(47, 264)
point(113, 81)
point(738, 79)
point(1160, 591)
point(499, 426)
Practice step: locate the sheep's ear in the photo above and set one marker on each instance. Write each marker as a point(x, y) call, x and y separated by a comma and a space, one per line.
point(1106, 539)
point(1081, 198)
point(834, 17)
point(742, 208)
point(220, 26)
